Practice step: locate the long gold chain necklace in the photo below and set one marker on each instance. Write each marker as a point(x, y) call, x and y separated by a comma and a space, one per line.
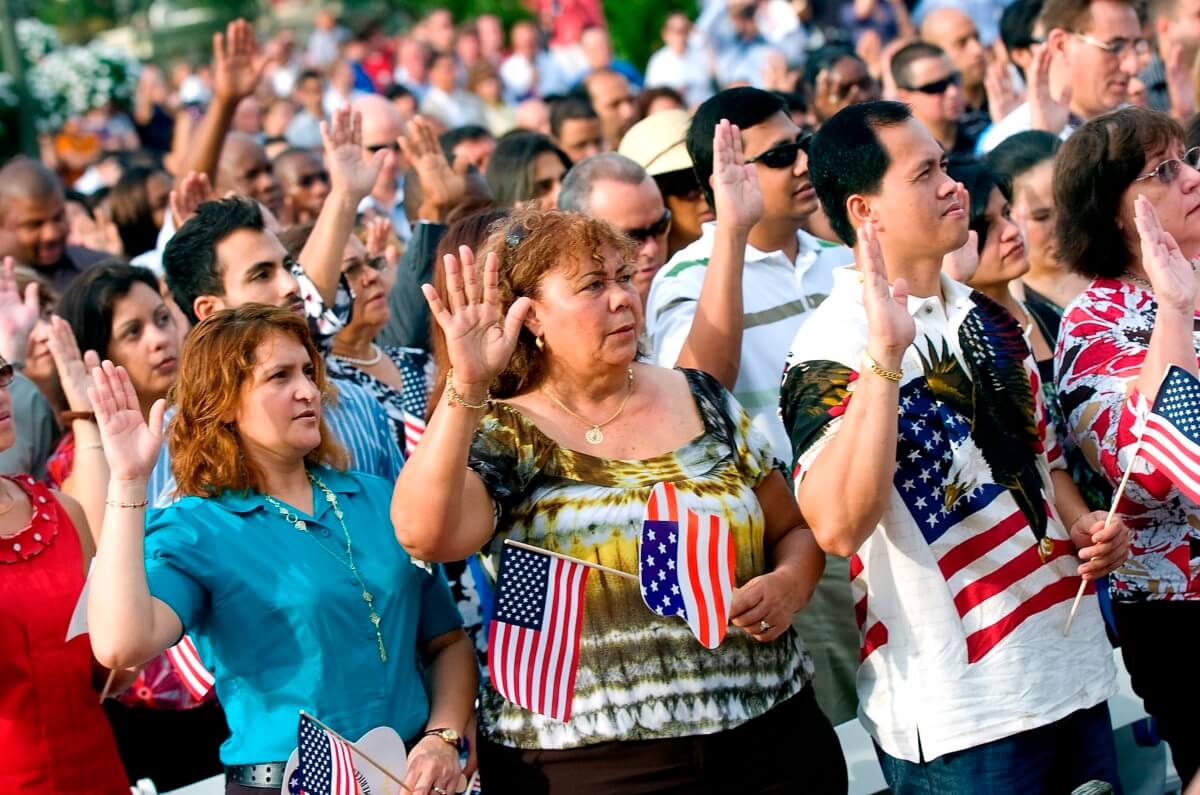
point(302, 526)
point(594, 434)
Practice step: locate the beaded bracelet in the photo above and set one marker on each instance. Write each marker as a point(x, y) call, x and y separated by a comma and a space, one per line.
point(453, 397)
point(118, 504)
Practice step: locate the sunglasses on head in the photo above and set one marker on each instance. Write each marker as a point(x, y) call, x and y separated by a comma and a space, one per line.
point(1168, 170)
point(657, 229)
point(7, 373)
point(938, 86)
point(784, 155)
point(307, 180)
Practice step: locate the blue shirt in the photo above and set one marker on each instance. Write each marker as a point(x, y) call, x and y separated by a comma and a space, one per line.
point(284, 625)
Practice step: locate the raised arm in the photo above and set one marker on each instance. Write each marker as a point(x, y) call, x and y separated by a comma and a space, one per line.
point(128, 626)
point(846, 489)
point(714, 343)
point(440, 509)
point(352, 174)
point(1174, 282)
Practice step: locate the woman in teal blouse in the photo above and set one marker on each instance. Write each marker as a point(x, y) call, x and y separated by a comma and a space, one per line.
point(284, 569)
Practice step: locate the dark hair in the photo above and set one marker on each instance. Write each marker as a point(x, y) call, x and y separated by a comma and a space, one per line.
point(979, 182)
point(309, 74)
point(295, 238)
point(1017, 24)
point(468, 132)
point(1094, 168)
point(742, 106)
point(846, 157)
point(396, 91)
point(129, 202)
point(572, 106)
point(1076, 15)
point(647, 97)
point(1019, 153)
point(676, 183)
point(823, 58)
point(87, 304)
point(190, 258)
point(909, 54)
point(510, 171)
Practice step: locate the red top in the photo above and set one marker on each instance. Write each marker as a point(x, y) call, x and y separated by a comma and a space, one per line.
point(54, 736)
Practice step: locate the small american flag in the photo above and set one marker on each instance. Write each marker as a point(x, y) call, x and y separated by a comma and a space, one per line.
point(192, 673)
point(1171, 435)
point(414, 429)
point(533, 640)
point(686, 567)
point(326, 766)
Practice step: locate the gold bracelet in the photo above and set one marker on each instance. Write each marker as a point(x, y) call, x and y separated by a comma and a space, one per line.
point(892, 375)
point(453, 397)
point(118, 504)
point(89, 446)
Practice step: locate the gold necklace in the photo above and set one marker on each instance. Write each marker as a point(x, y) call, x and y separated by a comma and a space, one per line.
point(302, 526)
point(12, 502)
point(594, 434)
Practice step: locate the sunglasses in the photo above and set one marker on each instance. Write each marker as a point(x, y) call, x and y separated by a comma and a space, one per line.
point(937, 86)
point(307, 180)
point(657, 229)
point(7, 374)
point(1168, 170)
point(395, 147)
point(784, 155)
point(354, 268)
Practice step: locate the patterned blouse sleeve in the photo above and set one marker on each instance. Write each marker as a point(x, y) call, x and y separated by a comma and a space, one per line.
point(507, 454)
point(751, 449)
point(1101, 347)
point(323, 322)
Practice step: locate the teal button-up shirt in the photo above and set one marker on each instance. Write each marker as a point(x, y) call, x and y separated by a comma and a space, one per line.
point(283, 624)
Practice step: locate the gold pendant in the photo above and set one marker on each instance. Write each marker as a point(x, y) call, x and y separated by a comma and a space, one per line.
point(1045, 548)
point(594, 436)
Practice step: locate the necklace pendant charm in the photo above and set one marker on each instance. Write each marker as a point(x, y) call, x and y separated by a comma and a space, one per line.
point(368, 597)
point(1045, 548)
point(301, 525)
point(594, 435)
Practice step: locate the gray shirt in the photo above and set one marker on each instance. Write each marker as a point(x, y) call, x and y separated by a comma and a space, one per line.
point(37, 432)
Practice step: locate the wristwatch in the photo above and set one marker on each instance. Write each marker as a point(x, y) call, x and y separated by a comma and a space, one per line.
point(449, 737)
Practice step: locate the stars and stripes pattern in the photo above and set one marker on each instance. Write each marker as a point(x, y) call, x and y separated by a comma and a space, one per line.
point(414, 429)
point(1171, 433)
point(533, 639)
point(686, 565)
point(186, 660)
point(326, 765)
point(994, 566)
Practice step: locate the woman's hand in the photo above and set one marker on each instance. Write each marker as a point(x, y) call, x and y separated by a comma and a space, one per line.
point(130, 445)
point(74, 370)
point(890, 327)
point(1105, 548)
point(432, 767)
point(379, 231)
point(351, 172)
point(479, 338)
point(962, 263)
point(735, 189)
point(1047, 111)
point(442, 186)
point(187, 196)
point(773, 597)
point(18, 313)
point(1170, 273)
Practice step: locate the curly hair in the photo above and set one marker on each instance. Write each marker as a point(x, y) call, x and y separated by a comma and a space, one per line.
point(218, 359)
point(529, 244)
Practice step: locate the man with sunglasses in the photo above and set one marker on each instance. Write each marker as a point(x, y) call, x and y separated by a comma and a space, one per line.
point(1095, 48)
point(304, 183)
point(929, 84)
point(382, 125)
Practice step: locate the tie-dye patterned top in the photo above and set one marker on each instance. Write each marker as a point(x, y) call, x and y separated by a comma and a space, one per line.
point(640, 676)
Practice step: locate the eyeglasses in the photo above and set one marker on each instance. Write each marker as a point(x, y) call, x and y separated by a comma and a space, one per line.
point(1168, 170)
point(784, 155)
point(938, 86)
point(307, 180)
point(353, 269)
point(7, 374)
point(1119, 46)
point(657, 229)
point(373, 148)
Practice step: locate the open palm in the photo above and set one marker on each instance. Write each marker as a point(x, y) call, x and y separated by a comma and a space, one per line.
point(18, 313)
point(130, 445)
point(74, 370)
point(735, 188)
point(479, 338)
point(350, 169)
point(1170, 273)
point(890, 327)
point(237, 63)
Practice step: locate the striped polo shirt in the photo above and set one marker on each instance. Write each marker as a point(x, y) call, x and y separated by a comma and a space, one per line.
point(777, 295)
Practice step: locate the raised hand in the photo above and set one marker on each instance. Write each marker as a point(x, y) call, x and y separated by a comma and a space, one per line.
point(998, 86)
point(1178, 69)
point(1047, 111)
point(351, 171)
point(890, 327)
point(130, 444)
point(74, 370)
point(18, 313)
point(961, 264)
point(442, 187)
point(479, 338)
point(734, 183)
point(187, 196)
point(1170, 273)
point(238, 64)
point(379, 229)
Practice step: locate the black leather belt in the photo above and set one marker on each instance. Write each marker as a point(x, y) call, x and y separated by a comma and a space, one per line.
point(268, 775)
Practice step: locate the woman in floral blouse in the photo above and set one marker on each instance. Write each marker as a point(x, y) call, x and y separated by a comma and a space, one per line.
point(1132, 188)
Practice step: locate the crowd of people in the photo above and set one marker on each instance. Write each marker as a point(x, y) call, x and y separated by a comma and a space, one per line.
point(879, 292)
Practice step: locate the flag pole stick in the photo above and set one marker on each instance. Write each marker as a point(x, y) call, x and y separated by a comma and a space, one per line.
point(108, 683)
point(570, 559)
point(357, 750)
point(1107, 520)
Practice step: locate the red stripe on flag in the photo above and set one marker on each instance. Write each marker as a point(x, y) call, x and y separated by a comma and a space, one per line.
point(693, 553)
point(195, 678)
point(860, 612)
point(652, 510)
point(672, 503)
point(875, 637)
point(1176, 461)
point(981, 642)
point(714, 564)
point(576, 630)
point(979, 545)
point(997, 581)
point(856, 566)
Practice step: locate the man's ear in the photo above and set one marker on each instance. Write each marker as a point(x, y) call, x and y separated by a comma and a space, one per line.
point(205, 305)
point(860, 211)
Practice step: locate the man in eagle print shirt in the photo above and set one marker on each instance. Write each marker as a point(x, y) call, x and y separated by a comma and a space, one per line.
point(920, 450)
